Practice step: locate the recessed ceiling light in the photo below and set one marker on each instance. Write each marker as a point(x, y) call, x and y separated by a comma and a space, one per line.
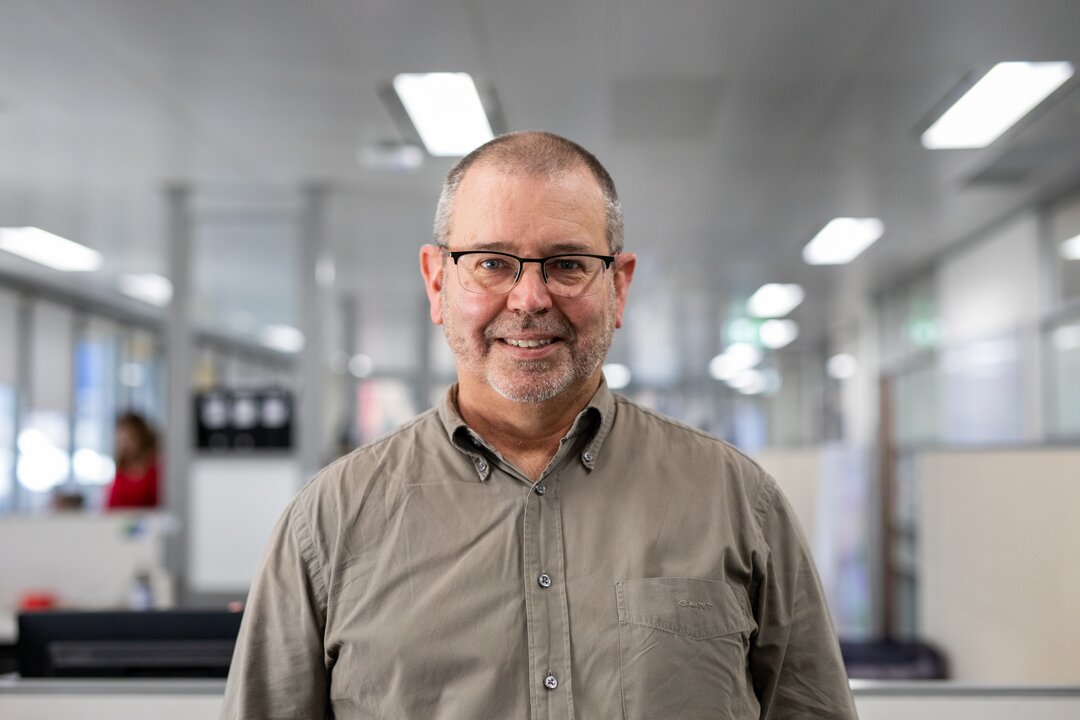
point(47, 249)
point(360, 365)
point(842, 240)
point(775, 300)
point(1008, 92)
point(842, 366)
point(282, 337)
point(617, 375)
point(736, 358)
point(446, 111)
point(748, 382)
point(1070, 249)
point(776, 334)
point(149, 288)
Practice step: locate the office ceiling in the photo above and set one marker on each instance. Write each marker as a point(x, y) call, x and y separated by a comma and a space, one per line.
point(734, 130)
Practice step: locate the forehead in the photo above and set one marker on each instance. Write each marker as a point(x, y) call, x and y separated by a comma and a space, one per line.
point(507, 207)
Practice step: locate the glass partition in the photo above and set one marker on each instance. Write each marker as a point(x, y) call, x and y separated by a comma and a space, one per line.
point(43, 447)
point(1061, 350)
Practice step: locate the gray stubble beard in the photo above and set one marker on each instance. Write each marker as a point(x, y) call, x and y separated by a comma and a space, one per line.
point(542, 388)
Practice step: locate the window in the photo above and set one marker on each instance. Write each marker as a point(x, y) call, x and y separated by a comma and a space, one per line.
point(8, 380)
point(1065, 238)
point(1061, 348)
point(43, 460)
point(97, 379)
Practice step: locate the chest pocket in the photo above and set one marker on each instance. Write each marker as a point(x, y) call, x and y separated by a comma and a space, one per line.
point(683, 646)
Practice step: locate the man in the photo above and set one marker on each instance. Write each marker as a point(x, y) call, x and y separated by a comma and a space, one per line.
point(536, 547)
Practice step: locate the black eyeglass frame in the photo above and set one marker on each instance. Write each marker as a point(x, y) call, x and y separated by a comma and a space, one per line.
point(457, 254)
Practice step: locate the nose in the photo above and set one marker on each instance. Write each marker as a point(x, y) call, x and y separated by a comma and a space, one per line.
point(530, 294)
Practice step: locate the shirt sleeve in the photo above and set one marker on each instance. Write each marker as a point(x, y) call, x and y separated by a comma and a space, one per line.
point(795, 658)
point(279, 667)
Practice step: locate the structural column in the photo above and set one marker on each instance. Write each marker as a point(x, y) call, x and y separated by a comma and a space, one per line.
point(178, 354)
point(316, 304)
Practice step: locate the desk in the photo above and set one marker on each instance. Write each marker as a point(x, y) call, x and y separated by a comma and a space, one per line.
point(194, 699)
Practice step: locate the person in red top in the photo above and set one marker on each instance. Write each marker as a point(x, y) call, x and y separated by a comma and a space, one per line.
point(137, 477)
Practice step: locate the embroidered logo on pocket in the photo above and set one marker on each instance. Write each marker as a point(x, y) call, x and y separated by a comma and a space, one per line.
point(697, 604)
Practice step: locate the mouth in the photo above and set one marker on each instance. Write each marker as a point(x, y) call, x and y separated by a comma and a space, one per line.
point(522, 343)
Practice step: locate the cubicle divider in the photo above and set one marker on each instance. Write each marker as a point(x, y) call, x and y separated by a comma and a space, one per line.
point(999, 562)
point(83, 560)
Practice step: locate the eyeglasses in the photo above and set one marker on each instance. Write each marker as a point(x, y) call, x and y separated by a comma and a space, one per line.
point(495, 273)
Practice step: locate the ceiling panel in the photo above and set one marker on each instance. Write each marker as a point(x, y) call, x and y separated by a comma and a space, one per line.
point(734, 130)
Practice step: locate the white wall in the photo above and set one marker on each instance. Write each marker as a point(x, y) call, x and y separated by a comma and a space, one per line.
point(992, 286)
point(235, 502)
point(999, 563)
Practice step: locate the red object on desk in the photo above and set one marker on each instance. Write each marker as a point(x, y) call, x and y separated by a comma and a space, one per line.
point(37, 600)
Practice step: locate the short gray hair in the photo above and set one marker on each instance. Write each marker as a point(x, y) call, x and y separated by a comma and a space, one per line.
point(535, 153)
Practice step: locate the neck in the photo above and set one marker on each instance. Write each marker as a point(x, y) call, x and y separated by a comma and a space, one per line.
point(528, 434)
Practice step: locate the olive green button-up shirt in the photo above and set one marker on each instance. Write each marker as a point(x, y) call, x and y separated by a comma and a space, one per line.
point(652, 572)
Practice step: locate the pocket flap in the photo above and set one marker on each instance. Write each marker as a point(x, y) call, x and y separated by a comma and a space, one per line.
point(690, 607)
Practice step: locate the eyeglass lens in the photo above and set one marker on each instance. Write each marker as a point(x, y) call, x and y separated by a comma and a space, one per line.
point(566, 275)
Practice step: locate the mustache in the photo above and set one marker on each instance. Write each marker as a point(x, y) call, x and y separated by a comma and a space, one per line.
point(548, 324)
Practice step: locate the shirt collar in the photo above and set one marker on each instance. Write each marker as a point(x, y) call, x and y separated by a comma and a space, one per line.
point(594, 422)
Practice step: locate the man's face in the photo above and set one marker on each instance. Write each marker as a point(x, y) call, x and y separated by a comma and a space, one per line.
point(529, 216)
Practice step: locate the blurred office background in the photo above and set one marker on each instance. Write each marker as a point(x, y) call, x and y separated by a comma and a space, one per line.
point(254, 195)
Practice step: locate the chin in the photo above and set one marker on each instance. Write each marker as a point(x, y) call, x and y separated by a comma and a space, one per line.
point(531, 389)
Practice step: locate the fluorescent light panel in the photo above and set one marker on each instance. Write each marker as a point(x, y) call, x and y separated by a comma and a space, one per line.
point(446, 111)
point(47, 249)
point(842, 240)
point(995, 103)
point(149, 288)
point(775, 300)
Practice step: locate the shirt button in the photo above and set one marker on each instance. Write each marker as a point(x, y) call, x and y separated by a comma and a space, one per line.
point(551, 682)
point(481, 466)
point(540, 489)
point(544, 580)
point(587, 457)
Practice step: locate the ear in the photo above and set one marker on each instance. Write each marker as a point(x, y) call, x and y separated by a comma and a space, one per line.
point(624, 274)
point(433, 267)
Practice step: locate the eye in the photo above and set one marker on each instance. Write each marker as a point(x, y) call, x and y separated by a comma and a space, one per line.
point(491, 264)
point(568, 264)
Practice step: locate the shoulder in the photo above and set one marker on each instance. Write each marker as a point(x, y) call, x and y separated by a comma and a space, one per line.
point(645, 426)
point(331, 507)
point(400, 447)
point(690, 452)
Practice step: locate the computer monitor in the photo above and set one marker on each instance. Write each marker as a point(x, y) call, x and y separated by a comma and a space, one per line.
point(161, 643)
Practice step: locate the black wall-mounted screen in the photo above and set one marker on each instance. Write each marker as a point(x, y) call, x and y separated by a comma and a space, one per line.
point(163, 643)
point(243, 420)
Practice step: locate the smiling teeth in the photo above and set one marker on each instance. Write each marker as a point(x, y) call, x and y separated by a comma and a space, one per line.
point(528, 343)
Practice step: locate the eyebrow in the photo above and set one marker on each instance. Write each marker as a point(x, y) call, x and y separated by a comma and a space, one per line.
point(560, 248)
